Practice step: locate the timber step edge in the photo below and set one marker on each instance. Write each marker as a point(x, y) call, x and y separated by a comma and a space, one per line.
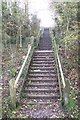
point(40, 96)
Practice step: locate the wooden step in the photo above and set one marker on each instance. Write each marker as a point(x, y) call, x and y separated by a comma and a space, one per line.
point(42, 65)
point(42, 78)
point(42, 85)
point(42, 75)
point(30, 96)
point(44, 57)
point(42, 68)
point(42, 71)
point(44, 51)
point(39, 103)
point(50, 81)
point(43, 61)
point(42, 90)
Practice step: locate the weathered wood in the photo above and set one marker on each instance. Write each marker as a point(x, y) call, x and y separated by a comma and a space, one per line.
point(13, 85)
point(66, 91)
point(20, 72)
point(58, 75)
point(12, 93)
point(59, 69)
point(43, 51)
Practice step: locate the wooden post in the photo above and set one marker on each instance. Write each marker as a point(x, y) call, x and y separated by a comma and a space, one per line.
point(20, 38)
point(66, 92)
point(12, 93)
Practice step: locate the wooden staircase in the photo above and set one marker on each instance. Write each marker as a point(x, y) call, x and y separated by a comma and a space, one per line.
point(41, 94)
point(41, 82)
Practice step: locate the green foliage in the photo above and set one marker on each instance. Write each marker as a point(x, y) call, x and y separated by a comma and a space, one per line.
point(66, 36)
point(25, 30)
point(6, 108)
point(16, 23)
point(72, 107)
point(65, 18)
point(35, 25)
point(12, 19)
point(12, 73)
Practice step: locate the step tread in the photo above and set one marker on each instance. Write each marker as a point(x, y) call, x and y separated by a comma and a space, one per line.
point(41, 90)
point(43, 59)
point(43, 78)
point(44, 51)
point(42, 75)
point(39, 103)
point(41, 71)
point(40, 62)
point(41, 96)
point(42, 84)
point(35, 79)
point(43, 63)
point(42, 68)
point(47, 57)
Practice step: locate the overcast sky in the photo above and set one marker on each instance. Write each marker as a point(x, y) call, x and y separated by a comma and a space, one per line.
point(41, 8)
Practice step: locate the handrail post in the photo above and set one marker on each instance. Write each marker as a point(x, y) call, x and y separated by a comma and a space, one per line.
point(12, 93)
point(13, 84)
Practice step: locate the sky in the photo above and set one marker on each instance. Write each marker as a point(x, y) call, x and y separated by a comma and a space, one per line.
point(41, 8)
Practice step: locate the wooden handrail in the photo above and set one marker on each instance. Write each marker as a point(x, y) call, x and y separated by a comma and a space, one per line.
point(13, 84)
point(58, 59)
point(64, 92)
point(23, 65)
point(60, 68)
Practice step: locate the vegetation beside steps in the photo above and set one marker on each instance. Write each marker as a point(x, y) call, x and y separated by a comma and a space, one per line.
point(66, 36)
point(20, 38)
